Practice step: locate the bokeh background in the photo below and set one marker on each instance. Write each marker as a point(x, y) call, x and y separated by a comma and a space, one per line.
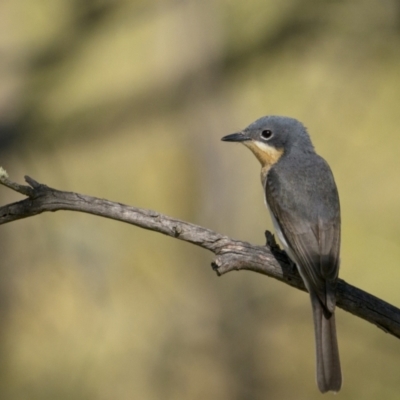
point(127, 100)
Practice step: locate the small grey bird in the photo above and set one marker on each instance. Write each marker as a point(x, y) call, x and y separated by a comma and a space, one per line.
point(303, 201)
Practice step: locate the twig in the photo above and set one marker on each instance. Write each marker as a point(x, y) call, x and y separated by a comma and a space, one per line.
point(23, 189)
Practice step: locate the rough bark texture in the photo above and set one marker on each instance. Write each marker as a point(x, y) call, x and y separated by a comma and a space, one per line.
point(230, 254)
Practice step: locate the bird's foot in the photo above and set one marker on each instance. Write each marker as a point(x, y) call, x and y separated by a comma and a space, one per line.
point(271, 241)
point(276, 250)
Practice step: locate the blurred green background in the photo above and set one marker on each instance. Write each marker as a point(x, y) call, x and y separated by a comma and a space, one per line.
point(128, 100)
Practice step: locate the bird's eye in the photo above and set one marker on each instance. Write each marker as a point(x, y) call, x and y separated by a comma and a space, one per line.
point(266, 134)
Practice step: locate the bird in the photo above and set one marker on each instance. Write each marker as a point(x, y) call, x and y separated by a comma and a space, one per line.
point(303, 201)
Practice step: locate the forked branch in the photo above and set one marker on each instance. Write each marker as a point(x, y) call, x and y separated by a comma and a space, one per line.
point(230, 254)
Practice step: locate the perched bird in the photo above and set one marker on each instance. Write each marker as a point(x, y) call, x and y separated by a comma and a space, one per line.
point(303, 201)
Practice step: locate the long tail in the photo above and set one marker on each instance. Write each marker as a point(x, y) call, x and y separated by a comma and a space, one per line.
point(329, 375)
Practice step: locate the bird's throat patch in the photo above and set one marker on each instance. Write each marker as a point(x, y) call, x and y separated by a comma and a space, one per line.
point(267, 155)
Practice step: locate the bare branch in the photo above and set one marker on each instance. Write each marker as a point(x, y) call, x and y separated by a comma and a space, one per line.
point(230, 254)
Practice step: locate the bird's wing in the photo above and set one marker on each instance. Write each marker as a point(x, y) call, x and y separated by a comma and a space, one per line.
point(311, 228)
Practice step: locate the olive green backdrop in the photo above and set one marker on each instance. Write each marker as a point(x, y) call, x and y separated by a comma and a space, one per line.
point(128, 100)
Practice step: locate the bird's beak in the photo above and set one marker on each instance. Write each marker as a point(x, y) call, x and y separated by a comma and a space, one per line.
point(236, 137)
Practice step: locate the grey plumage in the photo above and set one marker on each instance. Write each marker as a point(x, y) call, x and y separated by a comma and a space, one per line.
point(302, 197)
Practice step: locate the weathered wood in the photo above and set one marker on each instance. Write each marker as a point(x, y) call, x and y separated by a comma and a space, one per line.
point(230, 254)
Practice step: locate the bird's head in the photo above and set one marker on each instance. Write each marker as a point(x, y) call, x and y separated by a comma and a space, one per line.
point(270, 137)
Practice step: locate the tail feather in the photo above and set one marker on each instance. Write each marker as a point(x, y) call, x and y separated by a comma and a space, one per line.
point(329, 375)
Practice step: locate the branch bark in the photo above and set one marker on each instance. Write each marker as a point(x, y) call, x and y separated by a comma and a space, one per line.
point(230, 254)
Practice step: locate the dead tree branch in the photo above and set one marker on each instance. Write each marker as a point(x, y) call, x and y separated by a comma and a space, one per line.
point(230, 254)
